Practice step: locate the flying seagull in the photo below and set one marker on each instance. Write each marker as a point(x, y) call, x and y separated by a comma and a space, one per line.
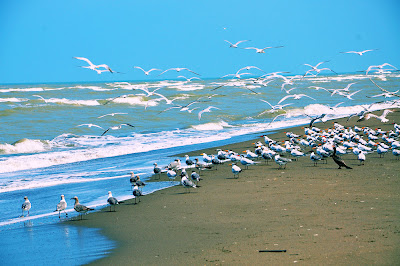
point(208, 109)
point(359, 53)
point(116, 127)
point(261, 51)
point(235, 45)
point(179, 69)
point(147, 72)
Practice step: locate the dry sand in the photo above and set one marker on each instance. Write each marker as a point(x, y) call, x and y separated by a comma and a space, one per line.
point(320, 215)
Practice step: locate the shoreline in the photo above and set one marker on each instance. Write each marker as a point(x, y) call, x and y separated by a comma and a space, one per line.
point(320, 215)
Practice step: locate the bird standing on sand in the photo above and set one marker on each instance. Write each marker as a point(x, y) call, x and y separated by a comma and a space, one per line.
point(315, 158)
point(186, 183)
point(281, 161)
point(246, 162)
point(111, 200)
point(171, 174)
point(137, 193)
point(133, 179)
point(235, 170)
point(188, 161)
point(361, 157)
point(80, 208)
point(339, 160)
point(157, 170)
point(26, 206)
point(61, 206)
point(195, 177)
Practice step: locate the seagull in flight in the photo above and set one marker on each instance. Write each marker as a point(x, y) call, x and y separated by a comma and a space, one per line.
point(179, 69)
point(116, 127)
point(89, 125)
point(261, 51)
point(147, 72)
point(208, 109)
point(378, 66)
point(274, 108)
point(359, 53)
point(295, 97)
point(235, 45)
point(95, 67)
point(188, 79)
point(112, 114)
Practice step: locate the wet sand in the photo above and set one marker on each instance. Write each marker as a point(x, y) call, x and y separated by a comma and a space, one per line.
point(319, 214)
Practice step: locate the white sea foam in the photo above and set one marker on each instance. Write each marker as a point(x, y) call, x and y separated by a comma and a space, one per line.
point(21, 90)
point(211, 126)
point(14, 100)
point(25, 146)
point(73, 102)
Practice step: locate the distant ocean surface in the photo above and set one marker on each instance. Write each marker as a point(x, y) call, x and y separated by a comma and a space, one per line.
point(46, 150)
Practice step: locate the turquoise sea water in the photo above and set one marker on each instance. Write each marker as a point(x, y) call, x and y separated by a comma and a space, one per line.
point(47, 150)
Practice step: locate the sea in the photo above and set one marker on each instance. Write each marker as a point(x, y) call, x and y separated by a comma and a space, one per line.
point(84, 139)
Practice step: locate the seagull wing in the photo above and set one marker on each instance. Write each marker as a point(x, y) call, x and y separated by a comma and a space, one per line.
point(85, 59)
point(284, 98)
point(105, 131)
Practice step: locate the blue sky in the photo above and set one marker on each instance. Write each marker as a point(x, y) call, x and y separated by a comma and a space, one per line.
point(40, 38)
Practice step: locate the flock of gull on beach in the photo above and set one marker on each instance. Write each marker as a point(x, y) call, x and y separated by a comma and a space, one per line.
point(322, 143)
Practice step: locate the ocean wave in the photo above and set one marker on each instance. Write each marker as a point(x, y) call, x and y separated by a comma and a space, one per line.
point(21, 90)
point(13, 100)
point(73, 102)
point(25, 146)
point(211, 126)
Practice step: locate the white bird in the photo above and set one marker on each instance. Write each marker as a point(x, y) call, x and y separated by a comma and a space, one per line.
point(171, 174)
point(281, 161)
point(187, 183)
point(381, 150)
point(246, 162)
point(235, 45)
point(295, 97)
point(195, 177)
point(315, 158)
point(41, 98)
point(147, 72)
point(378, 67)
point(188, 79)
point(95, 67)
point(361, 157)
point(261, 51)
point(89, 125)
point(206, 158)
point(111, 200)
point(116, 127)
point(396, 153)
point(274, 108)
point(80, 208)
point(137, 193)
point(236, 75)
point(61, 206)
point(359, 53)
point(26, 206)
point(112, 114)
point(179, 69)
point(208, 109)
point(382, 117)
point(250, 155)
point(235, 170)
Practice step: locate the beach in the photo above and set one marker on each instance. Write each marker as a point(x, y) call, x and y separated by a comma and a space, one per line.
point(316, 214)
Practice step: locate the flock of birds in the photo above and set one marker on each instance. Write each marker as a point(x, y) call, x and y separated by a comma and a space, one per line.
point(323, 144)
point(319, 144)
point(287, 85)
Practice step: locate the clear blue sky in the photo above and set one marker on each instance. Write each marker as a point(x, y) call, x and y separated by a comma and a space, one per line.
point(40, 38)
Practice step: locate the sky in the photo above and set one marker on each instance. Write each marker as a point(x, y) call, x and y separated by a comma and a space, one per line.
point(39, 39)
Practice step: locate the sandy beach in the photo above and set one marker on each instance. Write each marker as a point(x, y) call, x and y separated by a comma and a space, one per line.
point(319, 215)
